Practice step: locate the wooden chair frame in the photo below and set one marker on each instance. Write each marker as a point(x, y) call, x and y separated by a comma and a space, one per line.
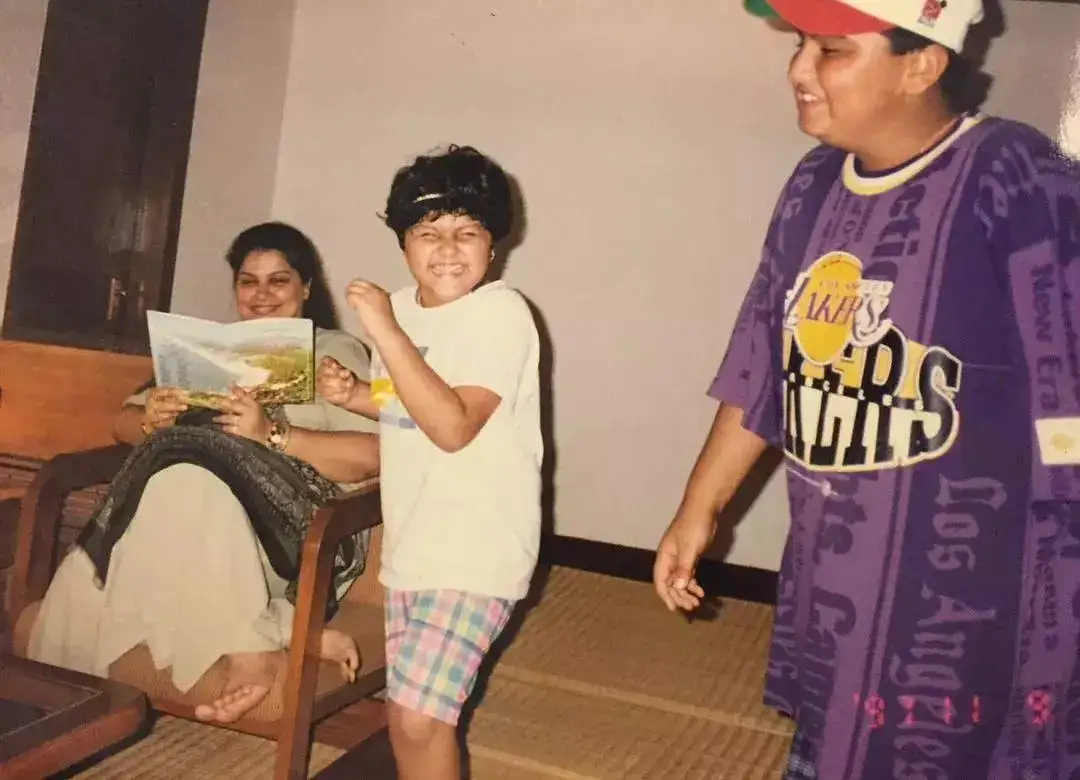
point(37, 556)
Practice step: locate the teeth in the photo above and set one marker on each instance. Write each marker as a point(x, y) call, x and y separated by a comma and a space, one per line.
point(448, 269)
point(803, 97)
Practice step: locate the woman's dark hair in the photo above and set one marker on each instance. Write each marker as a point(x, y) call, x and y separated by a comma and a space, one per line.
point(300, 253)
point(962, 86)
point(458, 181)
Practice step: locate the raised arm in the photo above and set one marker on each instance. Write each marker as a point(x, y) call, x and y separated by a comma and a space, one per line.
point(450, 416)
point(451, 410)
point(341, 446)
point(348, 451)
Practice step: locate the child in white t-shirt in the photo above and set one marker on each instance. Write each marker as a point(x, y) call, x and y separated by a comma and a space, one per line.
point(455, 387)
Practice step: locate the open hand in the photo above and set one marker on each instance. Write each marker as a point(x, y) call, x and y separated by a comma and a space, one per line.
point(337, 384)
point(676, 561)
point(242, 415)
point(372, 305)
point(163, 406)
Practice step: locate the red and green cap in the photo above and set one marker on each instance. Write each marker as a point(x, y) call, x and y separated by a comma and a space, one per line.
point(945, 22)
point(760, 8)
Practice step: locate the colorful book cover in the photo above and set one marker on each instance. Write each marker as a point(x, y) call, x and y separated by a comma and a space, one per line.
point(273, 357)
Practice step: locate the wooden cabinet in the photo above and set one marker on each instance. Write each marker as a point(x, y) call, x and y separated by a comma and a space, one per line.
point(99, 216)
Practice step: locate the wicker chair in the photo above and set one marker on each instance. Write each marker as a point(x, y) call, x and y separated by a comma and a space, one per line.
point(310, 691)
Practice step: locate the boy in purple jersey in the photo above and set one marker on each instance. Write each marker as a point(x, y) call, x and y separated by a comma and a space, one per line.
point(910, 341)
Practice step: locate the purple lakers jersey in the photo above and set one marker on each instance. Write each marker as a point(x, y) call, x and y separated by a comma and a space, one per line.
point(910, 342)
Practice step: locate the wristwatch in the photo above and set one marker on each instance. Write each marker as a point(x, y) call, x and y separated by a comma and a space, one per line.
point(278, 436)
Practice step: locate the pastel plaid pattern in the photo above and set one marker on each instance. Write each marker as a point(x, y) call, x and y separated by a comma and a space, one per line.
point(435, 642)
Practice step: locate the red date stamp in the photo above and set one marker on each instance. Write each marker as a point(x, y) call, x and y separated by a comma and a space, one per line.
point(1039, 706)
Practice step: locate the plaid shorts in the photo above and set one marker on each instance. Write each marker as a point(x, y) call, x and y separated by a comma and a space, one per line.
point(800, 761)
point(435, 641)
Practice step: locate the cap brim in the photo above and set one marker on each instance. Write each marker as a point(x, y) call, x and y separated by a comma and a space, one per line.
point(760, 8)
point(827, 17)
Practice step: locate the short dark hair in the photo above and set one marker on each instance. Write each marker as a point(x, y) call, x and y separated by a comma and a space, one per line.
point(461, 180)
point(300, 253)
point(962, 85)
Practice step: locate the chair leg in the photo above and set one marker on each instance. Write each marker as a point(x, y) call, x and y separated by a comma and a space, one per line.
point(294, 750)
point(302, 675)
point(295, 734)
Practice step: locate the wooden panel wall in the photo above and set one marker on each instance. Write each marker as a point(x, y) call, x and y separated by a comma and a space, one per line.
point(58, 399)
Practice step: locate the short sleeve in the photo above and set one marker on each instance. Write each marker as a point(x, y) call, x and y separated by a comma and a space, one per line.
point(748, 376)
point(351, 353)
point(138, 398)
point(345, 349)
point(499, 338)
point(1030, 203)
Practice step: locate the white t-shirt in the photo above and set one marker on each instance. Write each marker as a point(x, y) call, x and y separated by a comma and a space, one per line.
point(468, 520)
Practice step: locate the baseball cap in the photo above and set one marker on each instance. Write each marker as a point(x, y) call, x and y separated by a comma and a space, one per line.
point(759, 8)
point(945, 22)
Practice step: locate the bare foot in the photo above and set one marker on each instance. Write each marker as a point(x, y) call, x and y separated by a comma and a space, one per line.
point(251, 675)
point(342, 649)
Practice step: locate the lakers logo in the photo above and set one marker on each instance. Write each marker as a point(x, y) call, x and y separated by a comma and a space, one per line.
point(858, 394)
point(831, 306)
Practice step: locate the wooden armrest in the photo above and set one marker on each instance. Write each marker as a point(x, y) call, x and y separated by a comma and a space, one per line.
point(42, 511)
point(351, 513)
point(73, 471)
point(354, 512)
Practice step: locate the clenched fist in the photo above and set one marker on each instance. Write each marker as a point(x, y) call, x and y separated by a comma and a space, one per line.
point(372, 305)
point(337, 384)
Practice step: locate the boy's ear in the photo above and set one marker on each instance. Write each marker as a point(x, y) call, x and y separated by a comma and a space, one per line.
point(925, 68)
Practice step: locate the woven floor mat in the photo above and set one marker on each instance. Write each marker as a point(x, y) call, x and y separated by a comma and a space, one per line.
point(496, 765)
point(553, 733)
point(615, 637)
point(179, 749)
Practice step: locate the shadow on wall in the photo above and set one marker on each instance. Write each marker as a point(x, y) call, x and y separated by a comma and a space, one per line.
point(740, 504)
point(547, 358)
point(547, 428)
point(980, 39)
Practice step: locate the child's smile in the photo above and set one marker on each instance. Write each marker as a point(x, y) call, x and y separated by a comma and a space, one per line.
point(448, 256)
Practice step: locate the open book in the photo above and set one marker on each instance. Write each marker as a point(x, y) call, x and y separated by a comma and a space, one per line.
point(274, 357)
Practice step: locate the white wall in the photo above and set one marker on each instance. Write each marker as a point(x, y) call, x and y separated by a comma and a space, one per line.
point(1032, 63)
point(22, 24)
point(1069, 126)
point(234, 145)
point(650, 140)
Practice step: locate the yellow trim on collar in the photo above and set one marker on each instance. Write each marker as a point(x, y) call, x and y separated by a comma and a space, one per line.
point(876, 185)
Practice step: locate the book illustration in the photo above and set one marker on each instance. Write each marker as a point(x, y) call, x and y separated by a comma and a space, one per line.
point(273, 358)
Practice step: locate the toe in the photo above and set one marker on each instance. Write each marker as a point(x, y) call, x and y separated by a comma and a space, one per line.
point(348, 673)
point(239, 704)
point(205, 712)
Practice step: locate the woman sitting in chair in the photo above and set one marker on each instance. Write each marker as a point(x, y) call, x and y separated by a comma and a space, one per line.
point(196, 549)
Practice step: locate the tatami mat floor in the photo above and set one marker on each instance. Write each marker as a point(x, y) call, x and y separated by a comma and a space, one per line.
point(599, 683)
